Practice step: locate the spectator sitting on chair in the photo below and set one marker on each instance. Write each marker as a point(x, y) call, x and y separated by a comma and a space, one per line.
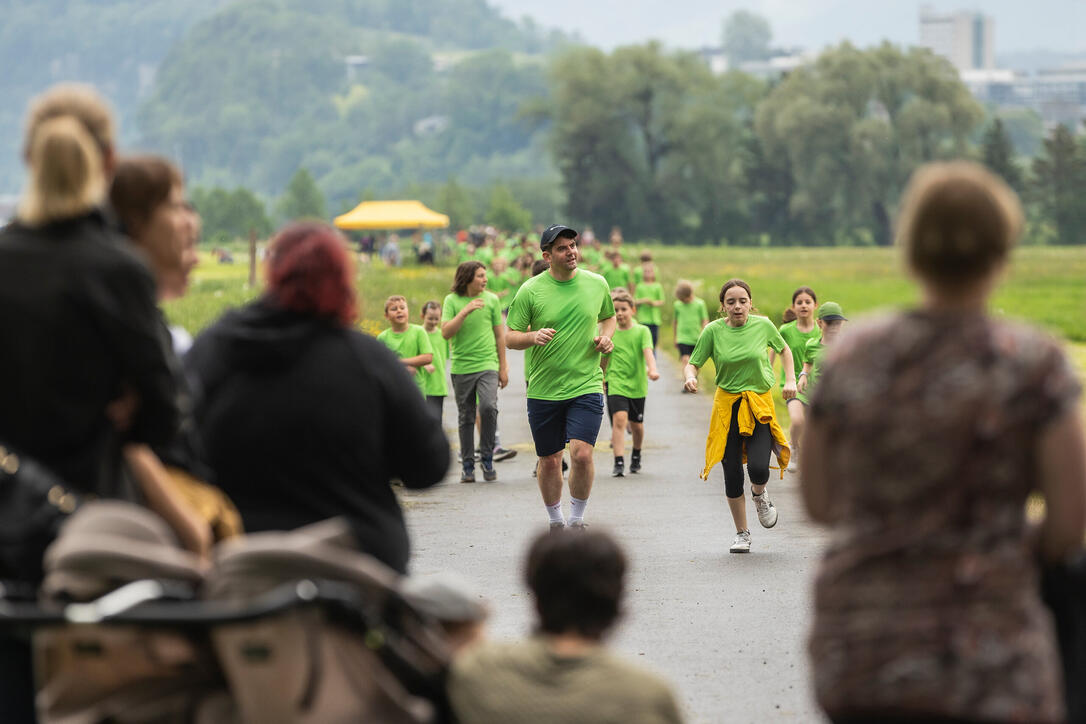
point(564, 673)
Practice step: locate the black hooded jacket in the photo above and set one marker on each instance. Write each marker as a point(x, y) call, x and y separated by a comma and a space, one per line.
point(302, 419)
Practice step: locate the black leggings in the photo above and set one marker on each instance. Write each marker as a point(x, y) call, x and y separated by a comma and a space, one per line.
point(759, 446)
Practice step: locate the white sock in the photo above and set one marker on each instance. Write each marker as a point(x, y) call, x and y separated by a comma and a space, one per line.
point(576, 508)
point(554, 512)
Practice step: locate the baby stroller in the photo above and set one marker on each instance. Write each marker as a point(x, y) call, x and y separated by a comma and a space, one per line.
point(286, 627)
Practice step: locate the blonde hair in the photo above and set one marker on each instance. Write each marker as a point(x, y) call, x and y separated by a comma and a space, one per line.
point(958, 222)
point(69, 131)
point(394, 298)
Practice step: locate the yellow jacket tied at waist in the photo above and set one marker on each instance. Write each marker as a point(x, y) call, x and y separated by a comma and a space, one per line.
point(754, 408)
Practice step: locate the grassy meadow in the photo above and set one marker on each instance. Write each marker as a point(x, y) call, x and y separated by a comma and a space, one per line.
point(1045, 285)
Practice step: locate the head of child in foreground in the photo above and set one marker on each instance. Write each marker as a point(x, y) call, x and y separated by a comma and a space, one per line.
point(830, 320)
point(684, 291)
point(624, 307)
point(431, 315)
point(396, 311)
point(577, 581)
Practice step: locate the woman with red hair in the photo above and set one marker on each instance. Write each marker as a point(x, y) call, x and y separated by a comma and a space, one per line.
point(303, 418)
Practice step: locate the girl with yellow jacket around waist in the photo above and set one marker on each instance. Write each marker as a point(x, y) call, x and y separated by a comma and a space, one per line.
point(743, 427)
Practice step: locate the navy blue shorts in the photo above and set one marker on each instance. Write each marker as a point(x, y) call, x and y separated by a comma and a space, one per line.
point(685, 350)
point(556, 422)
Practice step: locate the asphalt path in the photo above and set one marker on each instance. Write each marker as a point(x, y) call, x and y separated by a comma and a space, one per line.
point(728, 631)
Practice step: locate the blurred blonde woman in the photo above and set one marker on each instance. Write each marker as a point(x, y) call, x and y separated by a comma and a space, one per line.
point(83, 363)
point(926, 601)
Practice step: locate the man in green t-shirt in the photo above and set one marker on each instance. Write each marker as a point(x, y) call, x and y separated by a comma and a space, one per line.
point(471, 318)
point(571, 320)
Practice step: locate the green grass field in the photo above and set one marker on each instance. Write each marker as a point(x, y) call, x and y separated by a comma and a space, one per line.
point(1045, 285)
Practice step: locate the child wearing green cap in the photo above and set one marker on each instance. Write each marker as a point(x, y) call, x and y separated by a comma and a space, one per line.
point(830, 320)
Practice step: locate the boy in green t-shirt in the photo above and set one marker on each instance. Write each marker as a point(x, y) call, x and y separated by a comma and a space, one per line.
point(434, 384)
point(830, 320)
point(616, 273)
point(691, 316)
point(649, 298)
point(626, 368)
point(408, 341)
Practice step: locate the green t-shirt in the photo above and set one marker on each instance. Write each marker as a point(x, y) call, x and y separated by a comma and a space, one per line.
point(617, 276)
point(412, 342)
point(474, 347)
point(813, 354)
point(797, 342)
point(648, 314)
point(434, 383)
point(485, 254)
point(638, 275)
point(504, 286)
point(626, 373)
point(688, 319)
point(739, 353)
point(568, 365)
point(591, 257)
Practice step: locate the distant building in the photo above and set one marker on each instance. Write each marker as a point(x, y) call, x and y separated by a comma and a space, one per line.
point(966, 39)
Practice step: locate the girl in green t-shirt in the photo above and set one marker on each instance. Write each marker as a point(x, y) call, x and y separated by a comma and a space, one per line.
point(796, 334)
point(737, 345)
point(627, 369)
point(432, 376)
point(408, 341)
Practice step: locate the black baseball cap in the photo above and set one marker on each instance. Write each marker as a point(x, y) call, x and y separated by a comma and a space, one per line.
point(553, 232)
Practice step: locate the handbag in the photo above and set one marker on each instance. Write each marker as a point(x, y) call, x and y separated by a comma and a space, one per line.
point(1063, 588)
point(34, 502)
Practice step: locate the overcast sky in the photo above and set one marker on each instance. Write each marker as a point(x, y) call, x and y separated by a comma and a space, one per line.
point(1058, 25)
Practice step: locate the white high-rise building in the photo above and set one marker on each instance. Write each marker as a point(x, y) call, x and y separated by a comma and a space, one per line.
point(966, 39)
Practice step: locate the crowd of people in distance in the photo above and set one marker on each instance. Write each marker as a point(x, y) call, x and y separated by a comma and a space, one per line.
point(920, 434)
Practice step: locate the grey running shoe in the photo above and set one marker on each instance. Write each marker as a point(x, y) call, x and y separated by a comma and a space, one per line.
point(502, 453)
point(468, 476)
point(767, 512)
point(617, 472)
point(558, 525)
point(741, 544)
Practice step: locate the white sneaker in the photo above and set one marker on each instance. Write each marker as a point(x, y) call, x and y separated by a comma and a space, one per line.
point(741, 544)
point(767, 512)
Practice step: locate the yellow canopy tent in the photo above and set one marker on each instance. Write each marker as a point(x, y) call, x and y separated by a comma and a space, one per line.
point(391, 215)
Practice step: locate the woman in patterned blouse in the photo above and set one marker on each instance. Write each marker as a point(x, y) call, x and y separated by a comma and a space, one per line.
point(926, 601)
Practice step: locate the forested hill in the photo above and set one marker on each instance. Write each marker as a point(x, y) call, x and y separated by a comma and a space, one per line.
point(366, 93)
point(114, 44)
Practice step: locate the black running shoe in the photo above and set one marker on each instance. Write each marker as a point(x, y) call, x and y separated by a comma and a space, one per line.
point(617, 472)
point(635, 465)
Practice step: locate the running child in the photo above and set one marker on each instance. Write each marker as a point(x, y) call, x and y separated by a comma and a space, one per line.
point(409, 341)
point(615, 272)
point(796, 335)
point(743, 426)
point(432, 376)
point(650, 301)
point(625, 370)
point(691, 316)
point(830, 321)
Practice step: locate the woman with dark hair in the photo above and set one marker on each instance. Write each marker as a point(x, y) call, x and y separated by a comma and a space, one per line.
point(926, 601)
point(303, 418)
point(743, 426)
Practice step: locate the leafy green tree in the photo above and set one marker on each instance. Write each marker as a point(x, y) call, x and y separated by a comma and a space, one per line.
point(746, 37)
point(455, 201)
point(853, 126)
point(302, 199)
point(230, 215)
point(1059, 180)
point(997, 152)
point(505, 213)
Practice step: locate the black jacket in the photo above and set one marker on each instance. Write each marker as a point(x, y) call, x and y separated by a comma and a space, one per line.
point(302, 420)
point(79, 323)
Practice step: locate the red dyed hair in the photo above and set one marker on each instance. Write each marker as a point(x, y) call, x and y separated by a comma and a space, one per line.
point(309, 271)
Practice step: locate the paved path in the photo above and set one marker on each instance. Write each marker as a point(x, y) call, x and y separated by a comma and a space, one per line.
point(727, 630)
